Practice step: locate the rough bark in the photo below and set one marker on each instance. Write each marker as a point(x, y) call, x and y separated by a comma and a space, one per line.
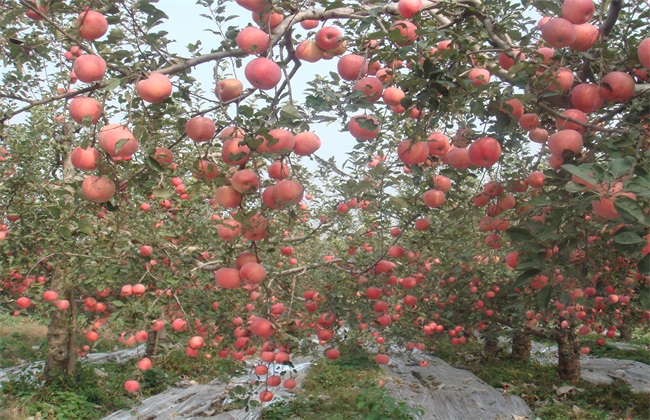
point(568, 352)
point(490, 348)
point(520, 345)
point(61, 357)
point(625, 332)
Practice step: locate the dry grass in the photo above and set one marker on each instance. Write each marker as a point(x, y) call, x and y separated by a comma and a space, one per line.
point(20, 325)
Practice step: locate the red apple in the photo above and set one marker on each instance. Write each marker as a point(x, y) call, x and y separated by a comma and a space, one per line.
point(253, 40)
point(263, 73)
point(155, 89)
point(92, 25)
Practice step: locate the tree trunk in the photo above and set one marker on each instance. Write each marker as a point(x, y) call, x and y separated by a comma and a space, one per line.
point(568, 351)
point(520, 345)
point(61, 357)
point(625, 332)
point(61, 343)
point(490, 348)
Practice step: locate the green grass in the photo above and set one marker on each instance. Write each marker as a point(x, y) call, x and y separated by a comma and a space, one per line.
point(97, 391)
point(346, 388)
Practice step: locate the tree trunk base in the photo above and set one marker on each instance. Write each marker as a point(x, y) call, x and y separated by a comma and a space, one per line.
point(520, 345)
point(568, 351)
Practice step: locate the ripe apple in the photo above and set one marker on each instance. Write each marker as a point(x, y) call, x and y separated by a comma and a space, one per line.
point(406, 30)
point(514, 107)
point(200, 129)
point(371, 87)
point(117, 141)
point(233, 149)
point(98, 189)
point(309, 51)
point(163, 156)
point(229, 229)
point(262, 328)
point(266, 396)
point(643, 52)
point(438, 144)
point(575, 114)
point(146, 250)
point(559, 32)
point(433, 198)
point(617, 86)
point(306, 143)
point(85, 159)
point(89, 68)
point(578, 11)
point(144, 364)
point(329, 38)
point(586, 36)
point(132, 386)
point(412, 153)
point(92, 25)
point(457, 157)
point(228, 89)
point(364, 127)
point(62, 305)
point(536, 179)
point(252, 273)
point(393, 96)
point(245, 181)
point(529, 121)
point(226, 196)
point(50, 296)
point(263, 73)
point(484, 152)
point(253, 40)
point(382, 359)
point(155, 89)
point(506, 62)
point(82, 107)
point(254, 5)
point(332, 354)
point(479, 77)
point(352, 67)
point(408, 8)
point(227, 278)
point(586, 97)
point(287, 192)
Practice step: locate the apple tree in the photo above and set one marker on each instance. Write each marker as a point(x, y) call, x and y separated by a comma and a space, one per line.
point(498, 174)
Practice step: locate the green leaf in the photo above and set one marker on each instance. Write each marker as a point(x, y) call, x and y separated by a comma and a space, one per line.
point(54, 211)
point(516, 234)
point(161, 193)
point(85, 226)
point(644, 265)
point(631, 210)
point(117, 303)
point(583, 172)
point(153, 164)
point(120, 143)
point(525, 277)
point(621, 166)
point(65, 231)
point(644, 298)
point(544, 296)
point(398, 202)
point(628, 238)
point(290, 112)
